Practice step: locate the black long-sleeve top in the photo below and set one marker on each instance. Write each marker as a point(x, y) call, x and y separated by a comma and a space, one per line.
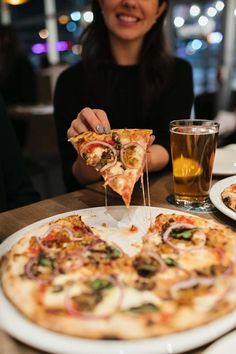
point(118, 94)
point(16, 188)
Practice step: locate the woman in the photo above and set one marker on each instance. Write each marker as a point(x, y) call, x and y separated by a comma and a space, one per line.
point(16, 188)
point(126, 78)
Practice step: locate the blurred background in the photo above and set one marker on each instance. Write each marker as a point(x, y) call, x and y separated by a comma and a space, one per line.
point(203, 32)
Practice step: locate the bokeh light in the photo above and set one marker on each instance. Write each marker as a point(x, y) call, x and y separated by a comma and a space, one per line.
point(75, 16)
point(63, 19)
point(220, 5)
point(88, 16)
point(203, 20)
point(71, 26)
point(194, 10)
point(43, 33)
point(178, 21)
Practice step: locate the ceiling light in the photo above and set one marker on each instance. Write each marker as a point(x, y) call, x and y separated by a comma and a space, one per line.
point(15, 2)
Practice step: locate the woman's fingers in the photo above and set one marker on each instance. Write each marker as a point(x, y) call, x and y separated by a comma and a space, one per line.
point(77, 127)
point(103, 125)
point(151, 140)
point(89, 119)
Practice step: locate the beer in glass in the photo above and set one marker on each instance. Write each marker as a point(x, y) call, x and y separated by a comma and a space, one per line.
point(193, 145)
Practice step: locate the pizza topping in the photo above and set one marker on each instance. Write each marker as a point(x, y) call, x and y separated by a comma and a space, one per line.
point(82, 305)
point(191, 283)
point(145, 284)
point(99, 154)
point(133, 228)
point(116, 139)
point(133, 298)
point(99, 301)
point(147, 265)
point(131, 155)
point(40, 269)
point(214, 270)
point(46, 262)
point(55, 237)
point(170, 262)
point(101, 284)
point(179, 230)
point(103, 252)
point(51, 233)
point(144, 308)
point(70, 260)
point(113, 252)
point(184, 232)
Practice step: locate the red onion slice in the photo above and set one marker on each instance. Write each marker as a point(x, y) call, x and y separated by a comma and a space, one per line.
point(199, 234)
point(103, 144)
point(189, 283)
point(58, 227)
point(28, 271)
point(52, 228)
point(76, 259)
point(122, 153)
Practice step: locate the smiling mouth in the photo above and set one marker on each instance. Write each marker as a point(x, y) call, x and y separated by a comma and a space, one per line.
point(127, 18)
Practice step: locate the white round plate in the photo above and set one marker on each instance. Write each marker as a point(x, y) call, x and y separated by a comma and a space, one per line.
point(14, 323)
point(223, 345)
point(225, 161)
point(215, 196)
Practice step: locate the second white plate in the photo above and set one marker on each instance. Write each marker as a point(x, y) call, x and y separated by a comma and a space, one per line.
point(215, 196)
point(225, 161)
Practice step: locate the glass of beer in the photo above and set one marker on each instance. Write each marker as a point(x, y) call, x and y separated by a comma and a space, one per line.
point(193, 145)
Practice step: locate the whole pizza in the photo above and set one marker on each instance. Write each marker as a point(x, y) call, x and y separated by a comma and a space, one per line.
point(67, 277)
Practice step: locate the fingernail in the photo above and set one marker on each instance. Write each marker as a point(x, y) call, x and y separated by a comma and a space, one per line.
point(106, 130)
point(99, 129)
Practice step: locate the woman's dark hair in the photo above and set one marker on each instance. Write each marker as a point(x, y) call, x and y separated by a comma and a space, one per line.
point(9, 51)
point(155, 62)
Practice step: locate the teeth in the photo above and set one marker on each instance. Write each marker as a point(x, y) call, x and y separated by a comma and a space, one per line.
point(128, 18)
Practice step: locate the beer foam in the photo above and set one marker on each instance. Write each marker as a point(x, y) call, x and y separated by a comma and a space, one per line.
point(194, 130)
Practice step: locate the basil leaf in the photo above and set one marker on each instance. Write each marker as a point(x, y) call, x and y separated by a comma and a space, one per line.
point(101, 284)
point(170, 262)
point(46, 262)
point(144, 308)
point(112, 252)
point(185, 234)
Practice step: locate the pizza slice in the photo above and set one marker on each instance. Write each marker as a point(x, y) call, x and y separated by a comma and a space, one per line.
point(118, 156)
point(229, 196)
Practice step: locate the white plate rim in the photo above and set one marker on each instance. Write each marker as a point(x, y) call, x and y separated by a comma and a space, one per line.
point(31, 334)
point(215, 196)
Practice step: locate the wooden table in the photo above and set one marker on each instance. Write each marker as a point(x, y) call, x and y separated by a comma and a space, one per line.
point(91, 196)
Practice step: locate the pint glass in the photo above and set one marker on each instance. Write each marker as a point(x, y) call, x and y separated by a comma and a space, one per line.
point(193, 145)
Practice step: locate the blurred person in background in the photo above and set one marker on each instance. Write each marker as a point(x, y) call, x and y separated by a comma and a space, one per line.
point(127, 79)
point(18, 84)
point(16, 188)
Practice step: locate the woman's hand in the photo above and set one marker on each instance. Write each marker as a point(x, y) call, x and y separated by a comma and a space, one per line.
point(89, 119)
